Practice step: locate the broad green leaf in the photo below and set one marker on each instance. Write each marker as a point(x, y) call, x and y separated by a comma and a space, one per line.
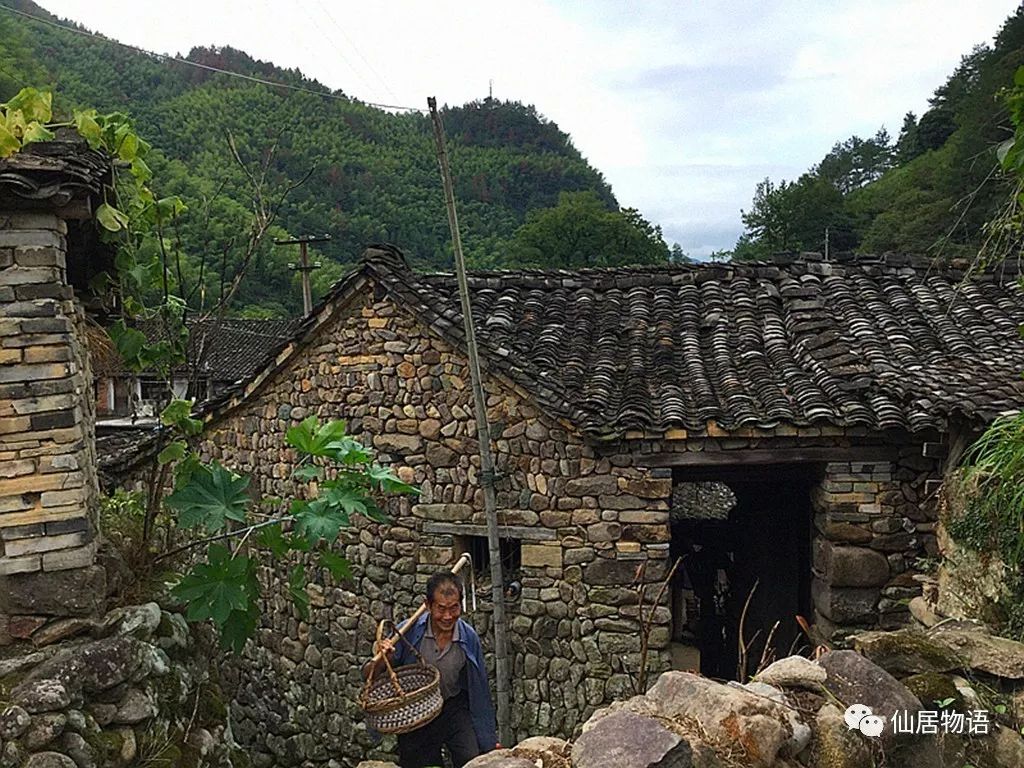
point(339, 494)
point(36, 105)
point(210, 497)
point(129, 342)
point(337, 565)
point(9, 143)
point(322, 440)
point(297, 590)
point(16, 123)
point(37, 132)
point(300, 436)
point(215, 588)
point(1018, 76)
point(172, 452)
point(176, 411)
point(309, 472)
point(387, 481)
point(239, 627)
point(318, 519)
point(185, 468)
point(129, 147)
point(273, 539)
point(1003, 150)
point(347, 451)
point(167, 208)
point(87, 127)
point(110, 218)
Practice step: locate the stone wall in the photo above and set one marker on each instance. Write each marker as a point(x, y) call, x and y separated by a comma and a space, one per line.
point(406, 392)
point(585, 516)
point(133, 688)
point(873, 520)
point(48, 491)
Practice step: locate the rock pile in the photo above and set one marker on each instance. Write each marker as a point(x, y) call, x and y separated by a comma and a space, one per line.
point(799, 713)
point(134, 691)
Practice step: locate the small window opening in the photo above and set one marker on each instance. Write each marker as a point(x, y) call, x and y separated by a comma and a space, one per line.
point(476, 546)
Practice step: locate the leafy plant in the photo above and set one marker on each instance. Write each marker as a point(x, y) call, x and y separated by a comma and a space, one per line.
point(224, 588)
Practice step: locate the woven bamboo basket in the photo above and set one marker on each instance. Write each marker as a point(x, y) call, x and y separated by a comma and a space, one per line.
point(406, 698)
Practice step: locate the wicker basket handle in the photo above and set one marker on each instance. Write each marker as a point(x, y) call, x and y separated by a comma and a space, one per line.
point(387, 662)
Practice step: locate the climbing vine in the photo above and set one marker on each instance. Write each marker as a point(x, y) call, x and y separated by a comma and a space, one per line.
point(210, 504)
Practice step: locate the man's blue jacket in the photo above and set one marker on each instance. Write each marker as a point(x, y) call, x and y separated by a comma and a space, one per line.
point(480, 707)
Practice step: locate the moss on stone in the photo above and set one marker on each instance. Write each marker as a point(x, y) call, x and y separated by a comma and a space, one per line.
point(211, 709)
point(932, 688)
point(106, 744)
point(907, 652)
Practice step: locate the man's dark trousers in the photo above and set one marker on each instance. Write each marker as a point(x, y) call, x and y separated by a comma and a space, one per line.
point(452, 728)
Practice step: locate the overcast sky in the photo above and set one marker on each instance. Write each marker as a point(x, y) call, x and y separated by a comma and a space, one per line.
point(684, 106)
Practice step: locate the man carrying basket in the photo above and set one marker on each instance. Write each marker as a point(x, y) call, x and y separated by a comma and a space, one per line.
point(466, 724)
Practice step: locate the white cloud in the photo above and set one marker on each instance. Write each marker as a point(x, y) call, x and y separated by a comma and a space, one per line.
point(683, 106)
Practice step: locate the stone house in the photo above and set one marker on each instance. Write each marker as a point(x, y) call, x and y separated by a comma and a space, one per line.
point(782, 424)
point(220, 353)
point(48, 484)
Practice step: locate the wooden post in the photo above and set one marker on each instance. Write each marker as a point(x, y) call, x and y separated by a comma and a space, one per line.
point(304, 267)
point(484, 437)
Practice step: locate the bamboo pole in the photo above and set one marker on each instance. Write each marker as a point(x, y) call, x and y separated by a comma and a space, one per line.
point(484, 438)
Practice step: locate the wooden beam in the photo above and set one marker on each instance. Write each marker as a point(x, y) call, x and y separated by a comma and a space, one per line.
point(521, 532)
point(758, 456)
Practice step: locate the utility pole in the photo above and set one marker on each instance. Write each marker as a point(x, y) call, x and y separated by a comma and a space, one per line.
point(826, 244)
point(484, 438)
point(304, 266)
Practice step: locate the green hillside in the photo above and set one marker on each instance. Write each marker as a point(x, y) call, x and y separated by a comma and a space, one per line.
point(374, 173)
point(929, 190)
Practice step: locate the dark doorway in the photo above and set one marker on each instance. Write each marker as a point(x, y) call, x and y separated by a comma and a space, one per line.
point(734, 528)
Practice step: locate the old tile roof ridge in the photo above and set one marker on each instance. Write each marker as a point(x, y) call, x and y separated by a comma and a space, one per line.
point(888, 341)
point(56, 171)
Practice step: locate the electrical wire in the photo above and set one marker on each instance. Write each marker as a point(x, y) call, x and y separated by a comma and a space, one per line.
point(355, 47)
point(207, 67)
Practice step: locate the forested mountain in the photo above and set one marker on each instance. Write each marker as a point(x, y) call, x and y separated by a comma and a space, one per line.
point(372, 174)
point(931, 190)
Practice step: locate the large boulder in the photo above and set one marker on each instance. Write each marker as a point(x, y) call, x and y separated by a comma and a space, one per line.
point(854, 679)
point(800, 732)
point(793, 672)
point(499, 758)
point(551, 752)
point(626, 739)
point(835, 744)
point(907, 652)
point(99, 665)
point(995, 655)
point(717, 715)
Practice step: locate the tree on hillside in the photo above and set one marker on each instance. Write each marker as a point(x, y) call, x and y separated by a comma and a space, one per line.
point(855, 162)
point(795, 216)
point(908, 145)
point(582, 232)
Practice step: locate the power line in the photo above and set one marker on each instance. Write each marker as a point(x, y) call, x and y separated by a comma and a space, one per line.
point(320, 28)
point(355, 47)
point(206, 67)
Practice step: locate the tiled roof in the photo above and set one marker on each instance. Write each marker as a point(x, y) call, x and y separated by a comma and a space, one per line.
point(56, 172)
point(234, 348)
point(882, 342)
